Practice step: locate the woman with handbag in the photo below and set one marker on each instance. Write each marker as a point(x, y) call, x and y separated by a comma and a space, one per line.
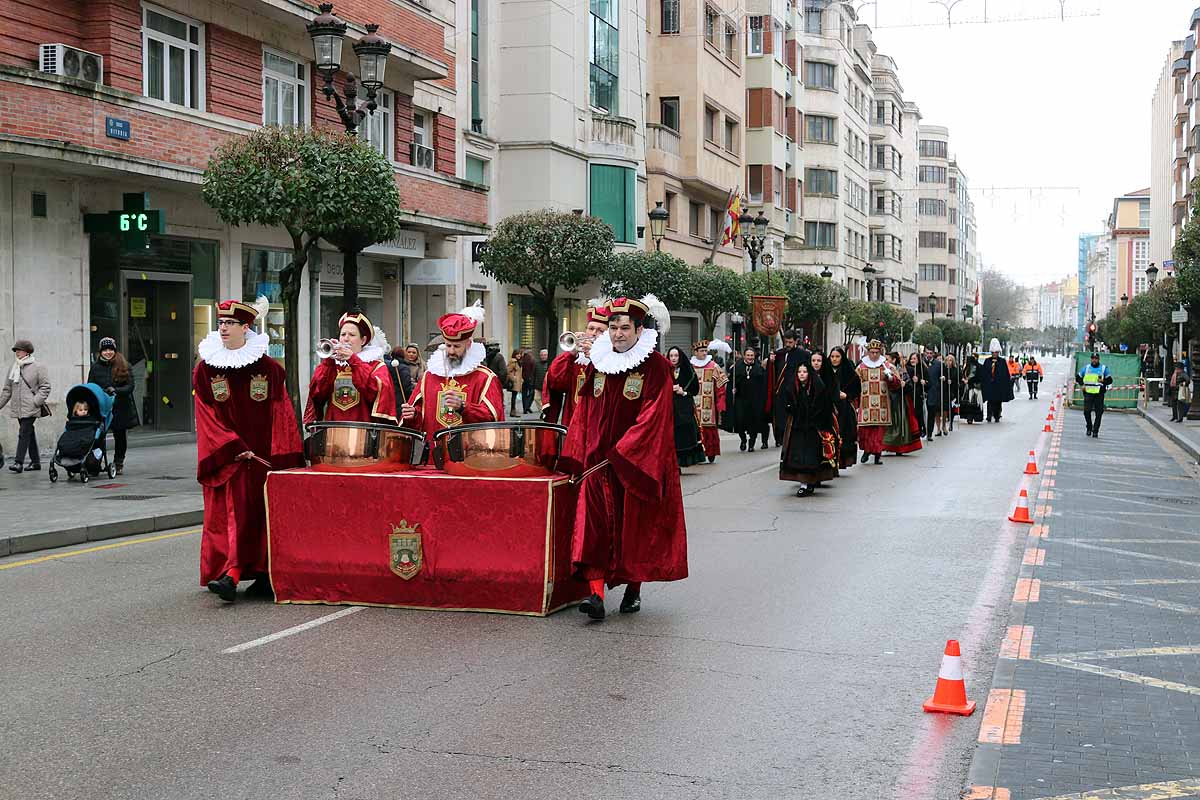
point(110, 371)
point(25, 392)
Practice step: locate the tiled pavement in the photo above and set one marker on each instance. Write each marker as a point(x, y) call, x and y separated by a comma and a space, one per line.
point(1096, 693)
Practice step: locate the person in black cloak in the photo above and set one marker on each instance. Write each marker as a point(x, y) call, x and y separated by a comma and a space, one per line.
point(952, 391)
point(845, 391)
point(782, 372)
point(996, 382)
point(748, 392)
point(809, 446)
point(971, 406)
point(688, 447)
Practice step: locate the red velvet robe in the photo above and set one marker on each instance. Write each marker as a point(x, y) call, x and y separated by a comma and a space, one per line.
point(562, 387)
point(629, 524)
point(240, 409)
point(485, 401)
point(371, 400)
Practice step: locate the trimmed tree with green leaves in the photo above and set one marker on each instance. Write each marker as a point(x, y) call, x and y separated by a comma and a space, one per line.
point(1187, 256)
point(713, 291)
point(640, 272)
point(305, 181)
point(545, 251)
point(877, 320)
point(928, 334)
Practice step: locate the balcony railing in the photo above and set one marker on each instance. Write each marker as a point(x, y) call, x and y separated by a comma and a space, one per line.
point(613, 130)
point(660, 137)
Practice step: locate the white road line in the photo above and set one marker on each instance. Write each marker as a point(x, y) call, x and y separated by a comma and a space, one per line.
point(312, 623)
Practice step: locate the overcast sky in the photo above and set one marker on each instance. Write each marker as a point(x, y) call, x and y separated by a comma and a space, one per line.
point(1036, 104)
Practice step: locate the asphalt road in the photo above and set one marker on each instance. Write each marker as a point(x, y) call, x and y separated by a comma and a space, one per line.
point(792, 663)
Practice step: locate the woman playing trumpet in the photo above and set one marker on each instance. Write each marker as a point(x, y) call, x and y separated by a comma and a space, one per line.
point(351, 381)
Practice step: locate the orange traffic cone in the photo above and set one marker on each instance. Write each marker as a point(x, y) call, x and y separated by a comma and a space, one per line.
point(1051, 406)
point(1046, 428)
point(1050, 416)
point(1031, 466)
point(950, 694)
point(1021, 512)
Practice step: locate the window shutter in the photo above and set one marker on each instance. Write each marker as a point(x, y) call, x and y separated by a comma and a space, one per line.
point(630, 206)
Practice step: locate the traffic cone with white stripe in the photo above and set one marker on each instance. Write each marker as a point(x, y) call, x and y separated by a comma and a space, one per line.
point(1031, 466)
point(1021, 512)
point(950, 694)
point(1047, 429)
point(1050, 416)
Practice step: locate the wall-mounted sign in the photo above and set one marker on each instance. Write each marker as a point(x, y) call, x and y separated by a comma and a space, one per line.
point(477, 250)
point(137, 307)
point(430, 272)
point(409, 244)
point(117, 128)
point(133, 223)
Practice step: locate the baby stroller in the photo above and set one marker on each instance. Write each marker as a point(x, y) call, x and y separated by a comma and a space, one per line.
point(81, 448)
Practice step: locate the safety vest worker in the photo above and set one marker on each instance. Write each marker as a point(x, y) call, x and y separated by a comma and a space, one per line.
point(1095, 380)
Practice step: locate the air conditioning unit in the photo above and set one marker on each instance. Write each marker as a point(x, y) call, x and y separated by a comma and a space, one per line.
point(422, 156)
point(71, 62)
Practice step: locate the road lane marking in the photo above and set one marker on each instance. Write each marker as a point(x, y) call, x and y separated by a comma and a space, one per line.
point(1003, 717)
point(1029, 590)
point(1039, 532)
point(1122, 552)
point(1138, 582)
point(1146, 791)
point(1128, 598)
point(1120, 674)
point(97, 549)
point(292, 631)
point(1017, 643)
point(987, 793)
point(1132, 652)
point(1034, 557)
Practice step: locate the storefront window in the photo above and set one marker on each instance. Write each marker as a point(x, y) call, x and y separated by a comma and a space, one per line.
point(260, 277)
point(528, 329)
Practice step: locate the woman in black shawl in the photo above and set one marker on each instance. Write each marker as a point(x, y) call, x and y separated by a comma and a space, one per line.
point(748, 391)
point(952, 393)
point(971, 407)
point(809, 446)
point(688, 447)
point(845, 391)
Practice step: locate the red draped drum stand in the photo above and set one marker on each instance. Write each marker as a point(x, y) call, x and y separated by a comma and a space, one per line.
point(422, 539)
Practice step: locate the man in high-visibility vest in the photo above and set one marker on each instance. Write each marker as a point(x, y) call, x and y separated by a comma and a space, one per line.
point(1095, 380)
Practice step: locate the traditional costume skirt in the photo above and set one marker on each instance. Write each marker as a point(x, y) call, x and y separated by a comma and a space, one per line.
point(904, 434)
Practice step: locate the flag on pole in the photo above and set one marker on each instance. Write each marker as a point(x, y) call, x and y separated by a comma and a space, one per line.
point(733, 210)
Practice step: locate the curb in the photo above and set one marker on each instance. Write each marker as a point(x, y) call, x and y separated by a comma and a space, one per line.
point(1188, 446)
point(42, 540)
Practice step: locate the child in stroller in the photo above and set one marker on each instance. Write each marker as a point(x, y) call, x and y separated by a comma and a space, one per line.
point(81, 447)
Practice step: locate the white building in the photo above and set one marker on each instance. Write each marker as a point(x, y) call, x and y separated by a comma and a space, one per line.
point(894, 124)
point(947, 255)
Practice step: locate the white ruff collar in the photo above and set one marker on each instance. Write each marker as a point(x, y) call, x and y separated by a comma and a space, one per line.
point(873, 363)
point(214, 352)
point(373, 352)
point(701, 363)
point(440, 366)
point(582, 360)
point(611, 362)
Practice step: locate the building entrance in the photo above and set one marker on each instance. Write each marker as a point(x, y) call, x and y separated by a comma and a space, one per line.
point(156, 326)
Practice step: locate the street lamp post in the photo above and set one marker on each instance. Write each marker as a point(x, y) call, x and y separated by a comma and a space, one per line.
point(870, 270)
point(1151, 274)
point(756, 241)
point(327, 33)
point(1124, 299)
point(659, 217)
point(932, 305)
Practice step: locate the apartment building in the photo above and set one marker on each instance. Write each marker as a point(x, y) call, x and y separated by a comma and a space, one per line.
point(134, 101)
point(892, 271)
point(947, 254)
point(1049, 305)
point(1128, 231)
point(1169, 162)
point(697, 97)
point(559, 92)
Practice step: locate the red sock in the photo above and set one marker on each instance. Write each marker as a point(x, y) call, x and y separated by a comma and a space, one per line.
point(597, 586)
point(234, 573)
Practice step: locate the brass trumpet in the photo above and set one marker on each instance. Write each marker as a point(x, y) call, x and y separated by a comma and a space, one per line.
point(325, 347)
point(569, 342)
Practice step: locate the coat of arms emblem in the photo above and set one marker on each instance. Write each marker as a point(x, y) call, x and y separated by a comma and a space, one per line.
point(597, 384)
point(259, 388)
point(220, 388)
point(449, 417)
point(345, 393)
point(404, 545)
point(633, 386)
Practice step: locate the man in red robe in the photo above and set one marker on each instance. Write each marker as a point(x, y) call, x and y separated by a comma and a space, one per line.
point(455, 388)
point(243, 419)
point(710, 401)
point(564, 378)
point(629, 525)
point(353, 384)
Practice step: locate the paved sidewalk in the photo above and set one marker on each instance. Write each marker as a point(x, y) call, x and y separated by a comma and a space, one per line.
point(1185, 434)
point(1096, 693)
point(157, 492)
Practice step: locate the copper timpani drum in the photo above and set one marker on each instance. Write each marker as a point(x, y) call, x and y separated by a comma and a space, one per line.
point(363, 446)
point(499, 449)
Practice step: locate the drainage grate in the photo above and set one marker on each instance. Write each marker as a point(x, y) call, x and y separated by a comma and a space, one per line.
point(1178, 501)
point(171, 478)
point(131, 497)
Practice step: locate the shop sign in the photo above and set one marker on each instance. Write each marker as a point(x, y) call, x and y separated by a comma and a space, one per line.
point(430, 272)
point(409, 244)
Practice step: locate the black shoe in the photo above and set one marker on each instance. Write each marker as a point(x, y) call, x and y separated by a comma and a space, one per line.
point(120, 467)
point(34, 468)
point(1089, 432)
point(1095, 434)
point(631, 603)
point(743, 447)
point(805, 491)
point(711, 459)
point(261, 589)
point(593, 606)
point(224, 588)
point(15, 467)
point(866, 457)
point(878, 459)
point(752, 448)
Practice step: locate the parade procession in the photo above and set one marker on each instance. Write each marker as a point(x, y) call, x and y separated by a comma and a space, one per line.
point(405, 480)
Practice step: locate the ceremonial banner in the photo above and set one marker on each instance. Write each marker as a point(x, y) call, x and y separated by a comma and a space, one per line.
point(768, 313)
point(422, 539)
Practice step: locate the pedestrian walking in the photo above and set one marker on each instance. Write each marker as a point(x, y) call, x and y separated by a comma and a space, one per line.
point(918, 386)
point(515, 386)
point(1177, 385)
point(685, 385)
point(1095, 380)
point(539, 376)
point(527, 383)
point(412, 360)
point(810, 452)
point(878, 379)
point(935, 424)
point(110, 371)
point(903, 434)
point(749, 392)
point(25, 392)
point(971, 405)
point(952, 392)
point(781, 369)
point(1033, 376)
point(493, 359)
point(1014, 374)
point(995, 382)
point(845, 390)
